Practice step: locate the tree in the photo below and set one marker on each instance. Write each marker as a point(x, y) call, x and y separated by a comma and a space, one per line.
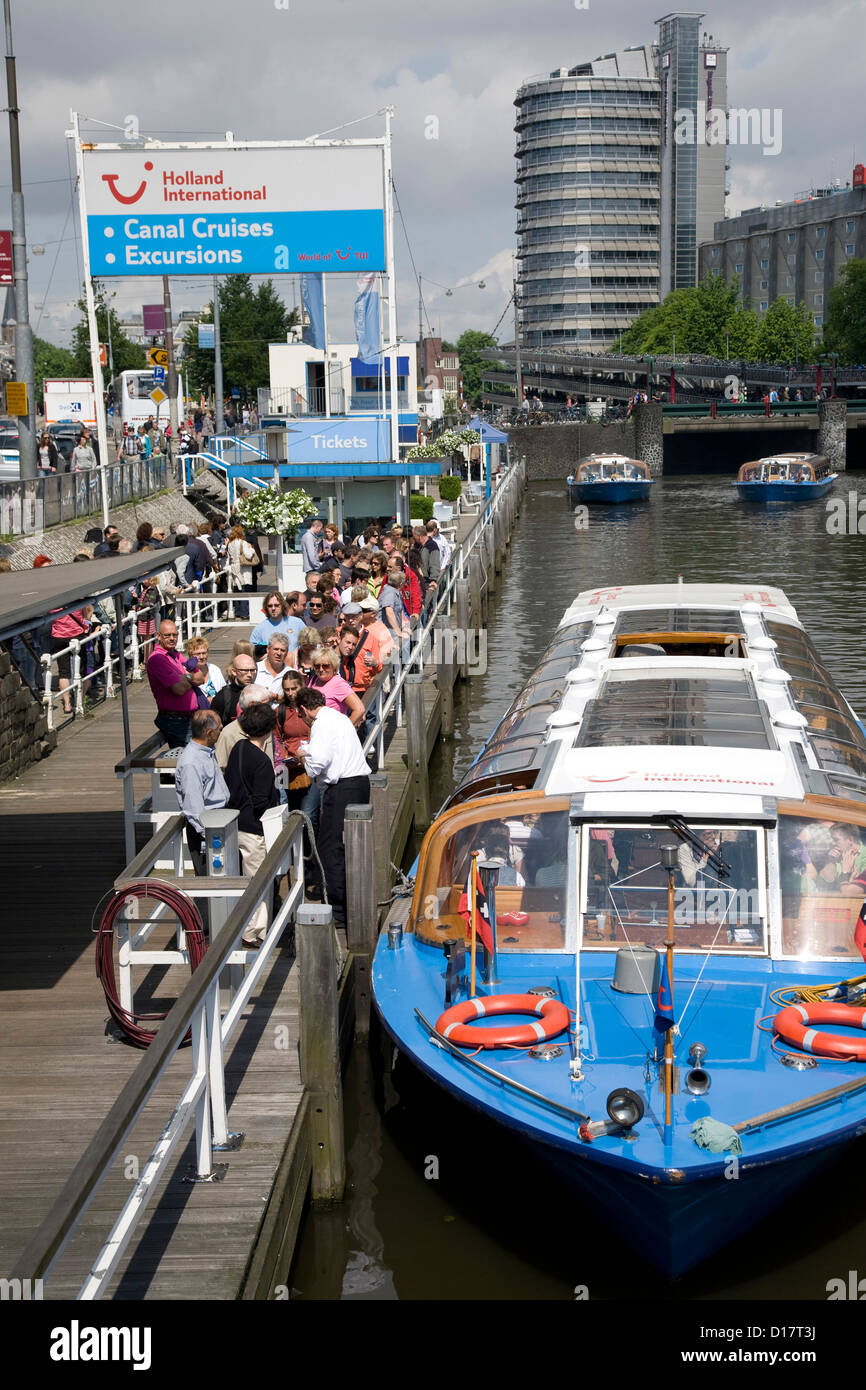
point(845, 324)
point(249, 320)
point(473, 359)
point(786, 333)
point(127, 355)
point(49, 361)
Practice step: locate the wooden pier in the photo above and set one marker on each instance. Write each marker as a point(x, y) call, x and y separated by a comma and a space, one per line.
point(62, 847)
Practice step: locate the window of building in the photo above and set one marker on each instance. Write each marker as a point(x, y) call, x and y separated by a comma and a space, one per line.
point(764, 285)
point(849, 226)
point(763, 305)
point(849, 249)
point(789, 282)
point(739, 267)
point(765, 264)
point(817, 299)
point(818, 320)
point(819, 254)
point(715, 252)
point(819, 232)
point(819, 277)
point(792, 237)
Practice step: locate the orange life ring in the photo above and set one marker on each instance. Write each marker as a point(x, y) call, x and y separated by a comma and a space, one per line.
point(552, 1017)
point(794, 1025)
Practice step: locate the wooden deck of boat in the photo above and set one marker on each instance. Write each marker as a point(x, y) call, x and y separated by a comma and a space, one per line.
point(61, 846)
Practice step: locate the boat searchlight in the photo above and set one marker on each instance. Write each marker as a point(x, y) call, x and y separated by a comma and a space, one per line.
point(625, 1108)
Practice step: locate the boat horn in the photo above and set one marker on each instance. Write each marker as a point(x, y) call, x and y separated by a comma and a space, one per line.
point(698, 1081)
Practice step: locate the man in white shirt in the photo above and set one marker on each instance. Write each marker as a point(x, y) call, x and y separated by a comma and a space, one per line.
point(272, 667)
point(333, 756)
point(444, 546)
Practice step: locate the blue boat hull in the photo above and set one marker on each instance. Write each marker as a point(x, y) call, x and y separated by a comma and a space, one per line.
point(784, 492)
point(674, 1203)
point(611, 493)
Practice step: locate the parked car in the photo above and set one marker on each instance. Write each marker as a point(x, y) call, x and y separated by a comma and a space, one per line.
point(9, 460)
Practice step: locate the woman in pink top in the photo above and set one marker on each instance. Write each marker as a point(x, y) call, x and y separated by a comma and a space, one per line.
point(63, 630)
point(338, 693)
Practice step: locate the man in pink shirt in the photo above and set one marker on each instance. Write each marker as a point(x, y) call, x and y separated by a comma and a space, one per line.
point(173, 686)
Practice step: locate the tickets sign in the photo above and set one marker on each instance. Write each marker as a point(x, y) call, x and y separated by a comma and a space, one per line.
point(234, 209)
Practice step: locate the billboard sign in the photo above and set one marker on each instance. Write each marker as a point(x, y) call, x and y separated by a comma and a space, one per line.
point(153, 320)
point(231, 209)
point(206, 335)
point(6, 276)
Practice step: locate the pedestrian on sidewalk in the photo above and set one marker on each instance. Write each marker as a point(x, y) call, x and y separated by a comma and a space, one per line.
point(173, 686)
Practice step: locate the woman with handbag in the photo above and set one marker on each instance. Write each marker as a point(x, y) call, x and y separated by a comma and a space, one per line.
point(250, 779)
point(242, 560)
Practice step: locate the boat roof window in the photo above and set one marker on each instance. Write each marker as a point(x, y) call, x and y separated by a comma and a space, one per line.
point(715, 713)
point(646, 620)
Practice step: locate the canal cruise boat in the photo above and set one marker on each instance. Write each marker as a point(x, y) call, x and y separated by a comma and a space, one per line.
point(660, 857)
point(609, 478)
point(785, 478)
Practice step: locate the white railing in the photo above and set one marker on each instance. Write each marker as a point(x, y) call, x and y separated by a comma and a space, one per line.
point(136, 646)
point(210, 1022)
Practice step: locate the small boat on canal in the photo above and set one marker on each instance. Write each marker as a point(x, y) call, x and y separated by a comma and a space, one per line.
point(609, 478)
point(785, 478)
point(636, 934)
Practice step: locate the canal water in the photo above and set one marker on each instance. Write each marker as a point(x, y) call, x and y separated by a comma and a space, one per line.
point(442, 1203)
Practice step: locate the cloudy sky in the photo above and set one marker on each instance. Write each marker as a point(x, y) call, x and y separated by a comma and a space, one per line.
point(270, 69)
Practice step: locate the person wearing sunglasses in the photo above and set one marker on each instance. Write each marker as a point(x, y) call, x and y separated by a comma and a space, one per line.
point(276, 619)
point(241, 672)
point(338, 693)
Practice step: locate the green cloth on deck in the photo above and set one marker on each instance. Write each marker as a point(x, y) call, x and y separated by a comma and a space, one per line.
point(716, 1136)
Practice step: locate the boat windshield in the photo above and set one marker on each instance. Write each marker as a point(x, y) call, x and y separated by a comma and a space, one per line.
point(624, 888)
point(778, 471)
point(531, 849)
point(610, 470)
point(822, 868)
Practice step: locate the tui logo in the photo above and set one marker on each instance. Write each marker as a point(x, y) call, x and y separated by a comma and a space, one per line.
point(127, 198)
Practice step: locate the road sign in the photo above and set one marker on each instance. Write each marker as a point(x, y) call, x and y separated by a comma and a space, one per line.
point(206, 335)
point(159, 374)
point(5, 258)
point(157, 395)
point(157, 357)
point(16, 398)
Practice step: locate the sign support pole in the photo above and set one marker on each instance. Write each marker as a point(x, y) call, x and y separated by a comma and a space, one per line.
point(95, 364)
point(325, 353)
point(219, 404)
point(392, 287)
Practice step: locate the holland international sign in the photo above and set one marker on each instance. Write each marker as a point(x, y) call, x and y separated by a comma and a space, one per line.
point(234, 208)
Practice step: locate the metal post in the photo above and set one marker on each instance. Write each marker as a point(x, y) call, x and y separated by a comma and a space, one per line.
point(23, 332)
point(517, 362)
point(461, 607)
point(362, 922)
point(327, 373)
point(219, 402)
point(392, 287)
point(121, 673)
point(416, 747)
point(320, 1049)
point(95, 364)
point(171, 376)
point(489, 869)
point(380, 802)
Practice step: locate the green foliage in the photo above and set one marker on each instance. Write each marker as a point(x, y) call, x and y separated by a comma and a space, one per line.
point(845, 324)
point(473, 359)
point(127, 355)
point(275, 513)
point(785, 333)
point(448, 347)
point(712, 319)
point(450, 488)
point(421, 508)
point(249, 320)
point(49, 361)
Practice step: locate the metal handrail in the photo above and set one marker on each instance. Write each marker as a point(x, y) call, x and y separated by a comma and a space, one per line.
point(191, 1008)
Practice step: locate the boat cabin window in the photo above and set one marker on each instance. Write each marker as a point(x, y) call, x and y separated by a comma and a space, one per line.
point(611, 470)
point(532, 851)
point(822, 868)
point(624, 891)
point(778, 471)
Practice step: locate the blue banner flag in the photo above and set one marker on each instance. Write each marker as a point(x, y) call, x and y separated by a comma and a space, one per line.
point(367, 331)
point(664, 1018)
point(313, 300)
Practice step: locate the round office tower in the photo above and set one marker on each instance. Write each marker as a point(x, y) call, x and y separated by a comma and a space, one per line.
point(588, 167)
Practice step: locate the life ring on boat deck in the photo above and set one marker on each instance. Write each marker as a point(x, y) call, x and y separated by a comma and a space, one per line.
point(551, 1017)
point(794, 1024)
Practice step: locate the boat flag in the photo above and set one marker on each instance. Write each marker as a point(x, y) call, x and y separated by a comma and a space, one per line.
point(481, 908)
point(664, 1018)
point(312, 296)
point(860, 932)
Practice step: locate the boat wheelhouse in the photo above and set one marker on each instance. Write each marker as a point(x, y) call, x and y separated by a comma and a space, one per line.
point(679, 791)
point(786, 478)
point(609, 478)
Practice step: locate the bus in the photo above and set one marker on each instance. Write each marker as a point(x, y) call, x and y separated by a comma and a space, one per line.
point(129, 394)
